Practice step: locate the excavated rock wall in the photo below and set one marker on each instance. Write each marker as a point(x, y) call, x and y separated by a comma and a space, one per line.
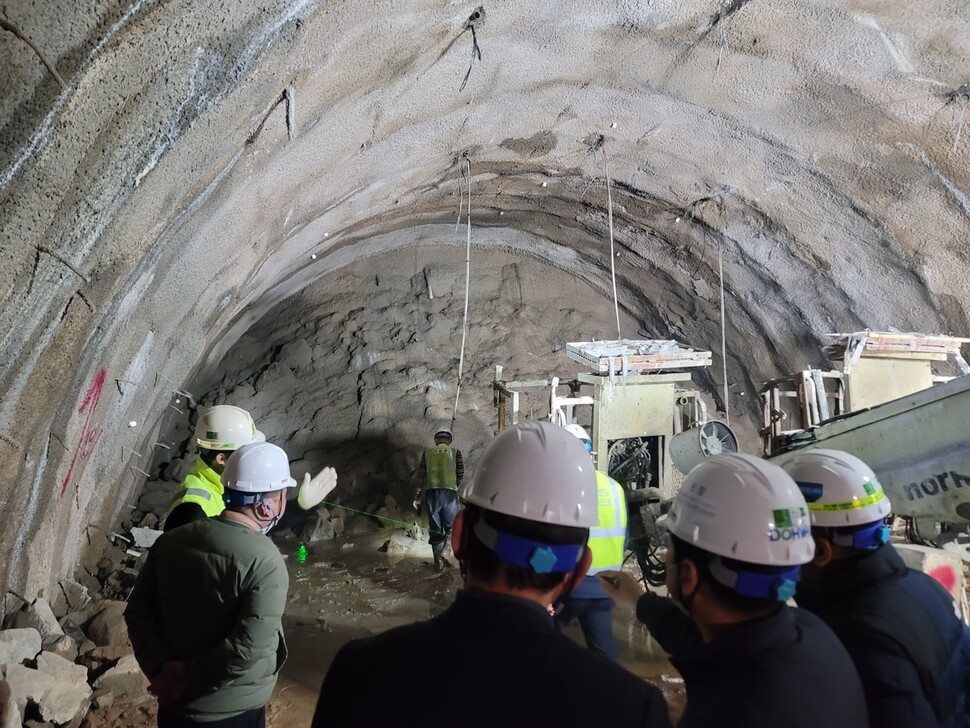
point(358, 371)
point(198, 158)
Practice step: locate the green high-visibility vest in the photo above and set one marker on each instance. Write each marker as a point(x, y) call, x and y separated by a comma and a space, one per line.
point(202, 486)
point(607, 540)
point(440, 463)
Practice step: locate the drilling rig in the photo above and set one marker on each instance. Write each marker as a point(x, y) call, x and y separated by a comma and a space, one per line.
point(648, 426)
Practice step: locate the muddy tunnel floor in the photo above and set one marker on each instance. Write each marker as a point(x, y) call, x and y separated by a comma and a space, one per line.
point(351, 588)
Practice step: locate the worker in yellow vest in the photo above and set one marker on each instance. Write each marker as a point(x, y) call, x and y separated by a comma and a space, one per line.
point(219, 432)
point(441, 470)
point(588, 603)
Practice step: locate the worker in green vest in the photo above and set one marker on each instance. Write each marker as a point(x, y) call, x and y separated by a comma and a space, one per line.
point(219, 432)
point(588, 603)
point(441, 470)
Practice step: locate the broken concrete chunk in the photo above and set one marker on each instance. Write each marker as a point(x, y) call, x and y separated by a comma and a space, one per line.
point(60, 668)
point(103, 700)
point(108, 626)
point(317, 528)
point(398, 546)
point(39, 616)
point(73, 631)
point(62, 645)
point(18, 645)
point(125, 678)
point(75, 594)
point(80, 617)
point(10, 713)
point(145, 538)
point(149, 520)
point(58, 687)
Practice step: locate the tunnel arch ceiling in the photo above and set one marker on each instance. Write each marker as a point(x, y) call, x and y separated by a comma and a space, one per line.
point(161, 201)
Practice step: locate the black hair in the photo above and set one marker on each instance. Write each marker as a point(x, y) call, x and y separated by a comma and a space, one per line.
point(482, 562)
point(683, 551)
point(209, 456)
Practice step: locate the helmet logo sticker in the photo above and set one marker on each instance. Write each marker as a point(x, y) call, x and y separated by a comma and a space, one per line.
point(789, 525)
point(811, 491)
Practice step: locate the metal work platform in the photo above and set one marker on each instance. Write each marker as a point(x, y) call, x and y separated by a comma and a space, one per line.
point(632, 356)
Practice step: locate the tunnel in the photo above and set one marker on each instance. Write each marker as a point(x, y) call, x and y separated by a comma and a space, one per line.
point(269, 204)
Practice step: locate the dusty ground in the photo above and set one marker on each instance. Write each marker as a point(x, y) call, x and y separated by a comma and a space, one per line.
point(351, 589)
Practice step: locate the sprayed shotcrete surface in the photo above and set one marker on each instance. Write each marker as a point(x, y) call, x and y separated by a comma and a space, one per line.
point(199, 156)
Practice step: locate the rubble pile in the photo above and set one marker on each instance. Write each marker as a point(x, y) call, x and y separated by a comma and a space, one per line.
point(58, 661)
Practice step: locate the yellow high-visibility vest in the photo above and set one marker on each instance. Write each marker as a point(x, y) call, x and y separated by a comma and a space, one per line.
point(201, 486)
point(607, 540)
point(440, 463)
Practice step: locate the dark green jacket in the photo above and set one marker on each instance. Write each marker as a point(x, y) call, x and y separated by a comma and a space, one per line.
point(212, 593)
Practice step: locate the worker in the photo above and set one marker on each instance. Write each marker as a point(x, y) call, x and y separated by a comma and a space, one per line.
point(900, 626)
point(205, 615)
point(441, 470)
point(219, 431)
point(588, 603)
point(738, 535)
point(494, 657)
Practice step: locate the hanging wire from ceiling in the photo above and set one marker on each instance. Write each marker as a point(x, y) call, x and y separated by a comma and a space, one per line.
point(464, 170)
point(609, 217)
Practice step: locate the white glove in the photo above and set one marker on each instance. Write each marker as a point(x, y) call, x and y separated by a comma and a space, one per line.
point(316, 489)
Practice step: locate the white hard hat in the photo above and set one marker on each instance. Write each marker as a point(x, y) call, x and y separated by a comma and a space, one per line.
point(225, 427)
point(539, 472)
point(259, 467)
point(742, 507)
point(839, 488)
point(577, 431)
point(443, 430)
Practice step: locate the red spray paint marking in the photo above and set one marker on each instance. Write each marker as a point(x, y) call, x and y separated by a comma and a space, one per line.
point(945, 575)
point(89, 435)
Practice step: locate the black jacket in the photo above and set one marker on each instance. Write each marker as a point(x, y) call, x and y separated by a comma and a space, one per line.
point(786, 670)
point(488, 660)
point(901, 628)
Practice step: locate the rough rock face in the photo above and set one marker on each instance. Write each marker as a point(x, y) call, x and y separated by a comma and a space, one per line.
point(359, 372)
point(201, 164)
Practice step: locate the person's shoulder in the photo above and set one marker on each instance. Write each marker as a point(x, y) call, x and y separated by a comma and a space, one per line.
point(394, 641)
point(613, 678)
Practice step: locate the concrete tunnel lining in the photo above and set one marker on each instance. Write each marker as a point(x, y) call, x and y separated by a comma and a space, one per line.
point(158, 205)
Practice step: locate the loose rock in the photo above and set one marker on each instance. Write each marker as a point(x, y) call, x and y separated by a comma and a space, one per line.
point(75, 594)
point(145, 537)
point(61, 645)
point(10, 713)
point(57, 686)
point(317, 528)
point(39, 616)
point(18, 645)
point(108, 626)
point(125, 678)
